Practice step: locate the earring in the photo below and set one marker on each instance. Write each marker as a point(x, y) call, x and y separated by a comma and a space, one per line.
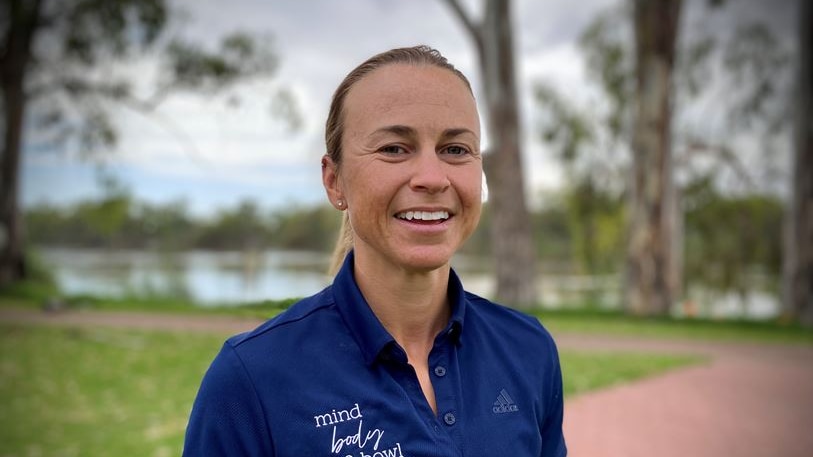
point(340, 203)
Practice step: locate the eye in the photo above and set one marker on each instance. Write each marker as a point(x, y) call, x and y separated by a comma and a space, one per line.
point(455, 150)
point(393, 149)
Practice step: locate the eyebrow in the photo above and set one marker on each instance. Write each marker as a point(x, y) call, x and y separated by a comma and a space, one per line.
point(400, 130)
point(406, 131)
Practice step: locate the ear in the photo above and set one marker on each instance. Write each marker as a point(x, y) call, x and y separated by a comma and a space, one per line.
point(330, 179)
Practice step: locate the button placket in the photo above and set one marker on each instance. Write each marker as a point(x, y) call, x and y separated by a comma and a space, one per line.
point(445, 379)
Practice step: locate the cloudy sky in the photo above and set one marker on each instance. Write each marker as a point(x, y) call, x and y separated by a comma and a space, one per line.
point(210, 155)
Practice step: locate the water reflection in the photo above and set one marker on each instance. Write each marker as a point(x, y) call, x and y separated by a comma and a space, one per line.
point(208, 278)
point(230, 278)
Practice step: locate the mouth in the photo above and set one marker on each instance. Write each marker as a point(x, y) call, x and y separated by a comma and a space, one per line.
point(424, 217)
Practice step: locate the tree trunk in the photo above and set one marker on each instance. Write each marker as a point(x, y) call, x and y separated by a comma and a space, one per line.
point(798, 262)
point(13, 63)
point(650, 280)
point(511, 237)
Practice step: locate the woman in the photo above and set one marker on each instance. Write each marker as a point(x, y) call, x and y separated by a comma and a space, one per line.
point(394, 358)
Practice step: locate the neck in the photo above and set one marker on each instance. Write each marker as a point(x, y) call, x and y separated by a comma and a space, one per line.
point(412, 306)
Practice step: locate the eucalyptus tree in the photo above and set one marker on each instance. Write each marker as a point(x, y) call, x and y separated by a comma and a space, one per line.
point(672, 111)
point(512, 242)
point(61, 76)
point(798, 265)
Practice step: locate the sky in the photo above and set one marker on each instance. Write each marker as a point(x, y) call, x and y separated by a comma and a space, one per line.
point(210, 155)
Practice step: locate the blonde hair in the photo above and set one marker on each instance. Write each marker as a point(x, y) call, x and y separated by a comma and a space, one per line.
point(334, 127)
point(344, 243)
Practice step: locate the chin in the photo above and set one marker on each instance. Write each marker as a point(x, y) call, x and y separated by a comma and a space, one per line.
point(423, 261)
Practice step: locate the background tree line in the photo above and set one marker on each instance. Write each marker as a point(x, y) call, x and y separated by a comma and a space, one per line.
point(578, 231)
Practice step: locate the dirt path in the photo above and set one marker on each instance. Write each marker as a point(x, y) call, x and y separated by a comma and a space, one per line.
point(126, 319)
point(749, 400)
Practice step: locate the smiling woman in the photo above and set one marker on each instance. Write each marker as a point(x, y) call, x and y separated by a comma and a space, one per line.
point(394, 358)
point(410, 144)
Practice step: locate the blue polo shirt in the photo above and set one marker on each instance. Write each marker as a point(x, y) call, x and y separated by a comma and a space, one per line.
point(325, 378)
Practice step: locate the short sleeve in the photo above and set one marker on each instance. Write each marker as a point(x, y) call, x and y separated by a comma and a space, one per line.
point(553, 439)
point(227, 417)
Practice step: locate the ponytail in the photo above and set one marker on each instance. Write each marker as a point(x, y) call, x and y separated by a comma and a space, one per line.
point(344, 243)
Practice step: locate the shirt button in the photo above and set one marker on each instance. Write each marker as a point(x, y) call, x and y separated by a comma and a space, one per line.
point(449, 419)
point(440, 371)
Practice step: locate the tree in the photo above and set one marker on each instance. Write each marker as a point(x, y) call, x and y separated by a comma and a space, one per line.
point(243, 227)
point(735, 75)
point(650, 270)
point(798, 262)
point(733, 243)
point(59, 53)
point(23, 20)
point(636, 81)
point(511, 235)
point(593, 199)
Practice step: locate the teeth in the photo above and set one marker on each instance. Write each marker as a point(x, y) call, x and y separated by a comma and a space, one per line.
point(424, 215)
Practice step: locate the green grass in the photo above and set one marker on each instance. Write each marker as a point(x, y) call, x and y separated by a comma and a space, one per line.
point(572, 320)
point(263, 309)
point(109, 392)
point(615, 323)
point(586, 371)
point(101, 392)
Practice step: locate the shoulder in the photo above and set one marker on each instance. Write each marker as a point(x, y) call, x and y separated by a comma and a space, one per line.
point(308, 317)
point(515, 325)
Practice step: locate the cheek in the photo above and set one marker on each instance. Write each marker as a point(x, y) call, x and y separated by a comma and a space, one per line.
point(366, 187)
point(470, 188)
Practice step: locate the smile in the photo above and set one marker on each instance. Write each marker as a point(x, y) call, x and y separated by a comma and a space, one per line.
point(423, 215)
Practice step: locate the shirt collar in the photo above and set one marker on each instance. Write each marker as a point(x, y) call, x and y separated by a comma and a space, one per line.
point(365, 327)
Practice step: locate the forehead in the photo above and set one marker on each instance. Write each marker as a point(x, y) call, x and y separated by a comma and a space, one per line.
point(408, 95)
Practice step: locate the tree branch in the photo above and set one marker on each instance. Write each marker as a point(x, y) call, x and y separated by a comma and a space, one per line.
point(147, 109)
point(473, 28)
point(721, 153)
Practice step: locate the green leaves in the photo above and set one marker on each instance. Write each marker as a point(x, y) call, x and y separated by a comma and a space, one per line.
point(756, 62)
point(608, 51)
point(93, 29)
point(730, 240)
point(562, 126)
point(693, 67)
point(82, 66)
point(239, 56)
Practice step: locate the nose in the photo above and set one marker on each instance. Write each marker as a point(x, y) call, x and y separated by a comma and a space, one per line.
point(429, 174)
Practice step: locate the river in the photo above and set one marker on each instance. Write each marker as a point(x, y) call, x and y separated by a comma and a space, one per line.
point(211, 278)
point(205, 277)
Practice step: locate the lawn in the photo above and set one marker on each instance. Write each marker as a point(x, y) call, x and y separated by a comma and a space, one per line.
point(616, 323)
point(101, 392)
point(577, 320)
point(585, 371)
point(104, 392)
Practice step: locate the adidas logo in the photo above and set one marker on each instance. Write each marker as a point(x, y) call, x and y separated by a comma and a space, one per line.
point(504, 404)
